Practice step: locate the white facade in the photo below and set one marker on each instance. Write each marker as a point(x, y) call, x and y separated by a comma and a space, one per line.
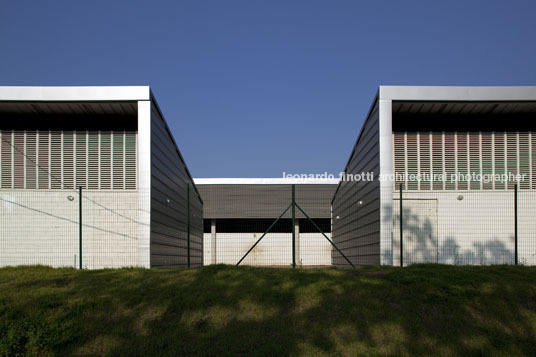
point(115, 144)
point(464, 227)
point(435, 130)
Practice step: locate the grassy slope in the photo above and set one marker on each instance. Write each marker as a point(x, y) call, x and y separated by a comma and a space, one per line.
point(424, 309)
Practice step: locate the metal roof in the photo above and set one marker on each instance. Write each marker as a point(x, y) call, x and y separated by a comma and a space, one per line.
point(454, 93)
point(464, 108)
point(64, 94)
point(47, 108)
point(244, 201)
point(264, 181)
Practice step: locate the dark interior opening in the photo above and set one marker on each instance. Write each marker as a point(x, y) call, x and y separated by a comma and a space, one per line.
point(464, 117)
point(69, 116)
point(261, 225)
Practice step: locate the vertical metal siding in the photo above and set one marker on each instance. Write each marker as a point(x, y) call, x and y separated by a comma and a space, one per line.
point(169, 179)
point(356, 205)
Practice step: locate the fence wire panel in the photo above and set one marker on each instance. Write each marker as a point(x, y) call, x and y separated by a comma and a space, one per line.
point(38, 228)
point(43, 227)
point(464, 227)
point(239, 216)
point(46, 219)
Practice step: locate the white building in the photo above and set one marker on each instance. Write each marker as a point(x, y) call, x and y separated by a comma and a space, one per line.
point(237, 211)
point(449, 131)
point(115, 144)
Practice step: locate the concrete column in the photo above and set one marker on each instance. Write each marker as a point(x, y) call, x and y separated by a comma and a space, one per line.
point(213, 240)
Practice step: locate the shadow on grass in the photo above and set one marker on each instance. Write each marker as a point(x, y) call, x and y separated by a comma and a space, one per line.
point(221, 310)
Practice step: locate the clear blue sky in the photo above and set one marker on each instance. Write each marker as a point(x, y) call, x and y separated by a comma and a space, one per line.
point(254, 88)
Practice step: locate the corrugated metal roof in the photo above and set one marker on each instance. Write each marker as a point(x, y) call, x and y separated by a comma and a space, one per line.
point(265, 181)
point(74, 93)
point(69, 108)
point(264, 200)
point(457, 107)
point(458, 93)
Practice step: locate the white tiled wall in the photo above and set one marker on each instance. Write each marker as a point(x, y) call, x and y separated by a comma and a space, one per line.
point(41, 227)
point(273, 249)
point(468, 227)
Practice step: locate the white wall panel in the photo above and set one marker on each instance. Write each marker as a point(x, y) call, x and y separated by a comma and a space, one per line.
point(42, 227)
point(470, 227)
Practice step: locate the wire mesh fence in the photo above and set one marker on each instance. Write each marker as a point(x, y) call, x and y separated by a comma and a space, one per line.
point(462, 227)
point(261, 225)
point(71, 198)
point(79, 228)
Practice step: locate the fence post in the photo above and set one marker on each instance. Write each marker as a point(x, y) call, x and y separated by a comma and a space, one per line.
point(401, 231)
point(293, 227)
point(188, 221)
point(80, 225)
point(515, 223)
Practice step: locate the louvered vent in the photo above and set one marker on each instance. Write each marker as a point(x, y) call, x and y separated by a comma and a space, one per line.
point(412, 158)
point(425, 160)
point(533, 159)
point(500, 157)
point(130, 160)
point(511, 158)
point(93, 160)
point(55, 160)
point(118, 160)
point(43, 159)
point(31, 160)
point(450, 160)
point(106, 160)
point(474, 159)
point(437, 160)
point(399, 156)
point(7, 159)
point(18, 159)
point(487, 159)
point(462, 157)
point(81, 159)
point(460, 153)
point(68, 159)
point(524, 159)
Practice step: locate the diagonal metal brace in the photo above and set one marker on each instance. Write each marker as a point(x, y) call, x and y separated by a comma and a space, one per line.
point(266, 232)
point(324, 234)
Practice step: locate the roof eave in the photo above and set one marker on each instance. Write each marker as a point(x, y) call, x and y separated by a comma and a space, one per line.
point(74, 93)
point(458, 93)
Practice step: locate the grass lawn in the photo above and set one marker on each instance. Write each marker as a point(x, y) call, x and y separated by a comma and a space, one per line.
point(223, 310)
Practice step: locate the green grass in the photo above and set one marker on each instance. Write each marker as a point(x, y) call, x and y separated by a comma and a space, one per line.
point(222, 310)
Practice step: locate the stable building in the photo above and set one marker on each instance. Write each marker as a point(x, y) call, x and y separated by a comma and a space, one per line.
point(457, 154)
point(109, 152)
point(237, 211)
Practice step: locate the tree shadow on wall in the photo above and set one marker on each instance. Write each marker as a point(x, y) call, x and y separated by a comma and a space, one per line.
point(424, 243)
